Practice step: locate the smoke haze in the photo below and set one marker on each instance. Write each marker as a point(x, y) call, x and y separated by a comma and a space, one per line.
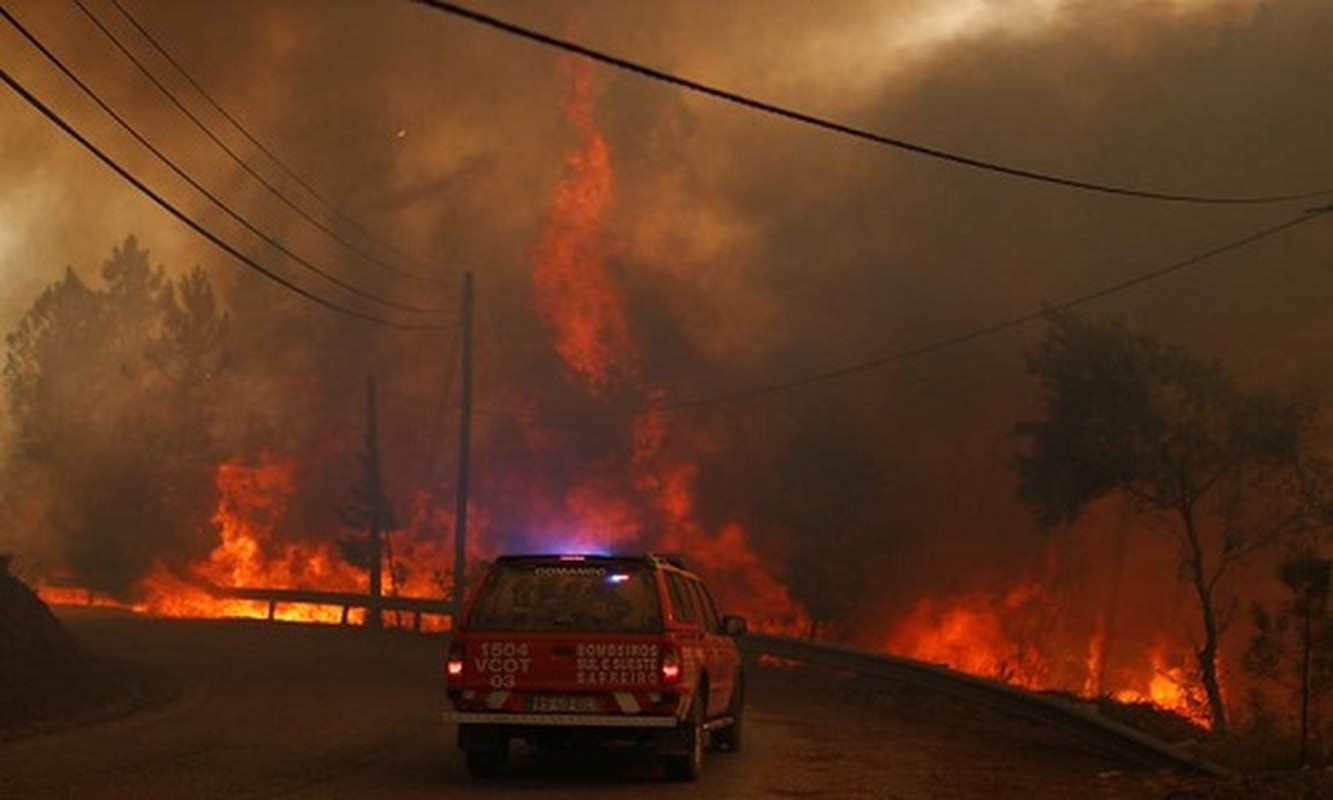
point(747, 250)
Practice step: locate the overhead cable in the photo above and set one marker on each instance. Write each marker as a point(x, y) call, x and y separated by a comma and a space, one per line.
point(267, 151)
point(194, 225)
point(242, 163)
point(272, 242)
point(835, 373)
point(848, 130)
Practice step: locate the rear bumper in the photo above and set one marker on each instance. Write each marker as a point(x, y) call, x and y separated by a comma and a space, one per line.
point(557, 720)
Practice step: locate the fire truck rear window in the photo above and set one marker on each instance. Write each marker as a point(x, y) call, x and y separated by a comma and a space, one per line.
point(568, 596)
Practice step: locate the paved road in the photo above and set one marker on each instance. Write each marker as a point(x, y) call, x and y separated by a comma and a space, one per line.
point(298, 711)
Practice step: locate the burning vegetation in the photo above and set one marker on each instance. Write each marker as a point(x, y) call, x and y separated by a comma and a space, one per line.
point(173, 446)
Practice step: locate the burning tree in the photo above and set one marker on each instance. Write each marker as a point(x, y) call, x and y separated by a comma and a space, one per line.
point(1227, 471)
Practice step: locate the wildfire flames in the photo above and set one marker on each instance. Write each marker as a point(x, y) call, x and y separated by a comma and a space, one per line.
point(653, 509)
point(581, 302)
point(575, 293)
point(643, 499)
point(1003, 637)
point(971, 634)
point(252, 501)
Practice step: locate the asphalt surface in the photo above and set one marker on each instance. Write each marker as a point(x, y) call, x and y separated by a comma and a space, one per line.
point(251, 709)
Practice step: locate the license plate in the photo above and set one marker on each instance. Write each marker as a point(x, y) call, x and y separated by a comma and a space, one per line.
point(563, 703)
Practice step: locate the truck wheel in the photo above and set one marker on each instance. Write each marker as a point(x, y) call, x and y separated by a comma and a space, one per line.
point(688, 766)
point(728, 739)
point(486, 762)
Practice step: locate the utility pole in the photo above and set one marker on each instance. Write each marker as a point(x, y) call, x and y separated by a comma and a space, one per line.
point(375, 501)
point(464, 449)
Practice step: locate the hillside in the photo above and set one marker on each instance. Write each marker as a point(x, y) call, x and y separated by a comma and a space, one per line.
point(44, 673)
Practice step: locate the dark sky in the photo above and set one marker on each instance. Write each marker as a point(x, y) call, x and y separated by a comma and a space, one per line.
point(750, 250)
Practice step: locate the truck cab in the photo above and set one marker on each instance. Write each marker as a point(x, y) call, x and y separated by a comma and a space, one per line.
point(587, 649)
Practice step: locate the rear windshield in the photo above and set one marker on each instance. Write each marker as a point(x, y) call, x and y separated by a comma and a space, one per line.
point(568, 595)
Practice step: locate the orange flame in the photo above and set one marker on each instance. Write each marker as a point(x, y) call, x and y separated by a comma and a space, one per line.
point(972, 633)
point(575, 294)
point(1166, 685)
point(253, 499)
point(586, 310)
point(1001, 637)
point(644, 499)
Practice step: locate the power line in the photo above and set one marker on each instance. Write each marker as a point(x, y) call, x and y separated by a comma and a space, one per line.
point(268, 152)
point(848, 130)
point(232, 153)
point(980, 332)
point(167, 206)
point(54, 59)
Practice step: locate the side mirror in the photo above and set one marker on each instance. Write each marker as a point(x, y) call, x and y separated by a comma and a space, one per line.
point(733, 625)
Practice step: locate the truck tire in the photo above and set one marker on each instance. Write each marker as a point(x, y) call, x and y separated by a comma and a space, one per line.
point(487, 762)
point(485, 748)
point(728, 739)
point(688, 766)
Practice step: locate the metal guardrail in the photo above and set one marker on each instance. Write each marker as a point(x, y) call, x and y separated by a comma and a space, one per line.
point(1074, 718)
point(416, 606)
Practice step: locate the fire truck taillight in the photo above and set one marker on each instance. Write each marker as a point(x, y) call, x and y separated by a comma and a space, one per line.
point(671, 665)
point(453, 667)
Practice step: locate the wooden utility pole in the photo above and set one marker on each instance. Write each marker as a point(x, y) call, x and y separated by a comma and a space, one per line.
point(464, 448)
point(375, 504)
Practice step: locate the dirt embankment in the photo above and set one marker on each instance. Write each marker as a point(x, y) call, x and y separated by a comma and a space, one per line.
point(45, 676)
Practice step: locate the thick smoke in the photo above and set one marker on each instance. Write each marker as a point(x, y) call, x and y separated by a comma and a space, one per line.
point(750, 250)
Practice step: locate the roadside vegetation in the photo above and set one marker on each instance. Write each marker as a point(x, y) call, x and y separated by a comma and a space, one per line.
point(1235, 477)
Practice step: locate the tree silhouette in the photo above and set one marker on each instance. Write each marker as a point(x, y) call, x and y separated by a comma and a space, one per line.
point(110, 391)
point(1228, 470)
point(1294, 646)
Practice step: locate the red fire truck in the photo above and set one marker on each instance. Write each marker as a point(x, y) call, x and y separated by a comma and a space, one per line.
point(587, 649)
